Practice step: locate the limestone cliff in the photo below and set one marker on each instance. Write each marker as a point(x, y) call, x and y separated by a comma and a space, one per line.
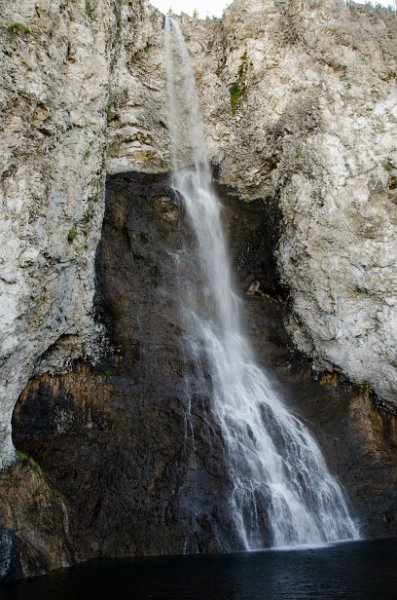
point(55, 99)
point(300, 106)
point(313, 125)
point(299, 98)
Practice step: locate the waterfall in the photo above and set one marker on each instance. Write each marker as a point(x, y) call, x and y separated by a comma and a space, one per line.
point(279, 475)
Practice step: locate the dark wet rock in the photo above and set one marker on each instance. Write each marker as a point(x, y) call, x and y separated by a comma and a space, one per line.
point(35, 536)
point(131, 445)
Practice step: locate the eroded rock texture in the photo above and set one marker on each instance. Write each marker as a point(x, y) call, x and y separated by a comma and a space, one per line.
point(53, 138)
point(61, 62)
point(35, 534)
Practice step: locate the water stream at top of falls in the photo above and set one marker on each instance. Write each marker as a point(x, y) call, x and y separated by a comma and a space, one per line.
point(278, 472)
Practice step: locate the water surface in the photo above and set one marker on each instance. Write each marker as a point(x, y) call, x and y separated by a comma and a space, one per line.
point(353, 571)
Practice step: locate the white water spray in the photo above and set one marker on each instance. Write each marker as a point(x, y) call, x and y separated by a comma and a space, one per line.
point(281, 481)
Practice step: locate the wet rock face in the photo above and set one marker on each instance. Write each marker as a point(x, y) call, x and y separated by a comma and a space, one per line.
point(35, 534)
point(131, 446)
point(299, 105)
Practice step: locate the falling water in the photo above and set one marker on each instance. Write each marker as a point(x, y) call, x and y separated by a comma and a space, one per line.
point(277, 469)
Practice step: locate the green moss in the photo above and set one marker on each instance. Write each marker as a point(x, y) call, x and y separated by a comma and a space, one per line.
point(238, 88)
point(72, 234)
point(18, 28)
point(236, 92)
point(108, 373)
point(25, 457)
point(243, 68)
point(366, 385)
point(88, 215)
point(89, 9)
point(94, 198)
point(388, 166)
point(110, 114)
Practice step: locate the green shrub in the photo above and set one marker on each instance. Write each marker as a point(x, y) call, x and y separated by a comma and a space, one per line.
point(89, 9)
point(236, 92)
point(243, 68)
point(25, 457)
point(18, 28)
point(72, 234)
point(88, 215)
point(110, 114)
point(393, 183)
point(238, 88)
point(388, 166)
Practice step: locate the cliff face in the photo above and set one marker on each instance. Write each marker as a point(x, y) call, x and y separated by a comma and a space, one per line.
point(53, 139)
point(310, 122)
point(299, 100)
point(127, 455)
point(317, 122)
point(58, 63)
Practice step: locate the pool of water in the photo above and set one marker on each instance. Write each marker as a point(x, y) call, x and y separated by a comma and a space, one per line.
point(360, 570)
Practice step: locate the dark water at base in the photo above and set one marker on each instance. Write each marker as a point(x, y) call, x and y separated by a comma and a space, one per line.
point(361, 570)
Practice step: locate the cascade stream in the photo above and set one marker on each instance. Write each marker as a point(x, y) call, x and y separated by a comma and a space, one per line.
point(277, 468)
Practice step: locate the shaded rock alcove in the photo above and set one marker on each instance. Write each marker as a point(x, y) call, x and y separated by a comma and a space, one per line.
point(129, 447)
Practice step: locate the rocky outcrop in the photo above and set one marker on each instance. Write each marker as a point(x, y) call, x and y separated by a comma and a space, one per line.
point(52, 147)
point(56, 101)
point(35, 534)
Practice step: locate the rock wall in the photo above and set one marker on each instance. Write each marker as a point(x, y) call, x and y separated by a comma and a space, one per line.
point(299, 99)
point(58, 62)
point(302, 109)
point(299, 102)
point(126, 457)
